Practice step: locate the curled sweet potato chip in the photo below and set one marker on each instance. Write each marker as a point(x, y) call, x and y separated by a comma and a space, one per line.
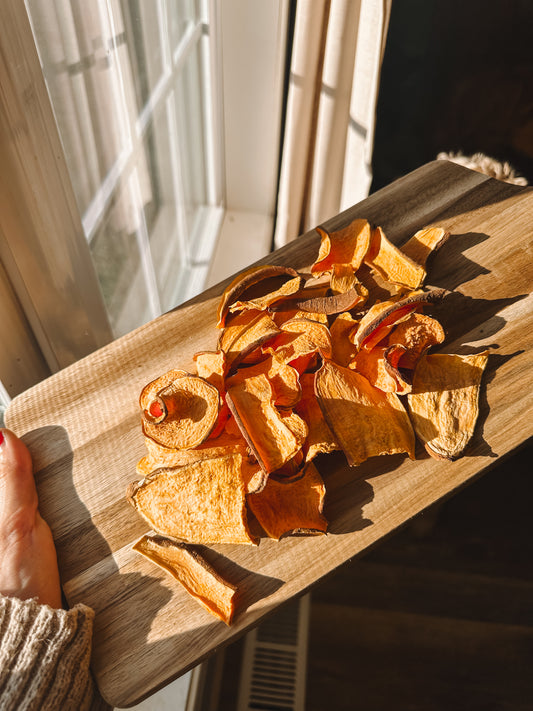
point(260, 330)
point(423, 243)
point(250, 399)
point(211, 366)
point(444, 402)
point(187, 566)
point(179, 410)
point(282, 316)
point(380, 367)
point(300, 337)
point(365, 421)
point(320, 439)
point(343, 349)
point(382, 317)
point(159, 456)
point(345, 246)
point(417, 333)
point(202, 502)
point(283, 379)
point(262, 302)
point(291, 505)
point(245, 280)
point(343, 278)
point(392, 263)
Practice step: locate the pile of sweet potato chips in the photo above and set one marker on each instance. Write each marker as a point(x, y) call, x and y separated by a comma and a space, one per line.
point(305, 364)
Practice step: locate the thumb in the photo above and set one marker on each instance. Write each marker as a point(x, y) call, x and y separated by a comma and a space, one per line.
point(17, 485)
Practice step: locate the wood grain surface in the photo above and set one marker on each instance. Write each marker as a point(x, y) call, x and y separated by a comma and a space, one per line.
point(82, 426)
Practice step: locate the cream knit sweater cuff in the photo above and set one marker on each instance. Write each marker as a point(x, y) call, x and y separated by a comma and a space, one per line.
point(44, 658)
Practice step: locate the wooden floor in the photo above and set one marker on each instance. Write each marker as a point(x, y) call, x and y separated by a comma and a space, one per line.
point(439, 617)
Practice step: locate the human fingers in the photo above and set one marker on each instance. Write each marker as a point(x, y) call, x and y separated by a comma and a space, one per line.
point(18, 496)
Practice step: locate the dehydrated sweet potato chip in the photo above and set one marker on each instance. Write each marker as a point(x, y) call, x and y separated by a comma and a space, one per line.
point(296, 424)
point(243, 281)
point(444, 402)
point(292, 505)
point(282, 316)
point(380, 367)
point(423, 243)
point(343, 350)
point(250, 399)
point(392, 263)
point(249, 337)
point(202, 502)
point(179, 409)
point(417, 333)
point(345, 246)
point(159, 456)
point(380, 318)
point(343, 278)
point(211, 366)
point(287, 289)
point(282, 377)
point(187, 566)
point(320, 439)
point(365, 421)
point(300, 337)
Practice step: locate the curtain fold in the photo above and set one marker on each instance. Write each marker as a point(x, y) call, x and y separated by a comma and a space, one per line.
point(333, 84)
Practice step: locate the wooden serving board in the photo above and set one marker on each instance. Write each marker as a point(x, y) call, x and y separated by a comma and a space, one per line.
point(82, 426)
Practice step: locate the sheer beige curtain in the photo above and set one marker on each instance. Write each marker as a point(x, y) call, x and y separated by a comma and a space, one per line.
point(333, 84)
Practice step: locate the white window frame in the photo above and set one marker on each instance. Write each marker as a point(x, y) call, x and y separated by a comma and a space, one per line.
point(50, 284)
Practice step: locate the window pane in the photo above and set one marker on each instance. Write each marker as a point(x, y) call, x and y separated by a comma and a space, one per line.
point(116, 251)
point(127, 83)
point(145, 47)
point(168, 247)
point(190, 132)
point(181, 13)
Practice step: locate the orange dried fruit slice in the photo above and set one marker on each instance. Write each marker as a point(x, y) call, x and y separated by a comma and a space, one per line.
point(300, 337)
point(423, 243)
point(296, 424)
point(291, 505)
point(211, 366)
point(246, 337)
point(282, 377)
point(281, 316)
point(444, 403)
point(189, 568)
point(179, 410)
point(365, 421)
point(343, 350)
point(345, 246)
point(417, 333)
point(159, 456)
point(262, 302)
point(320, 438)
point(244, 281)
point(380, 367)
point(203, 502)
point(251, 401)
point(343, 278)
point(392, 263)
point(382, 317)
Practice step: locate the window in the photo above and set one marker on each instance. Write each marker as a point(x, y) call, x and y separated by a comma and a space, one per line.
point(139, 116)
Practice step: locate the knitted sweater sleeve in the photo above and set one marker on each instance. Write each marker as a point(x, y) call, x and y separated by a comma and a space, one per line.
point(44, 658)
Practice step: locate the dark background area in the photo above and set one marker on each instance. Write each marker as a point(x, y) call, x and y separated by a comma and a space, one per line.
point(457, 76)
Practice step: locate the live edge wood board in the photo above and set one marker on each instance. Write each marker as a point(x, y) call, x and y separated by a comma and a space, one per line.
point(82, 426)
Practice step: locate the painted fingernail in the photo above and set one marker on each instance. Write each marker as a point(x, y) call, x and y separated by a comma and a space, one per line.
point(2, 438)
